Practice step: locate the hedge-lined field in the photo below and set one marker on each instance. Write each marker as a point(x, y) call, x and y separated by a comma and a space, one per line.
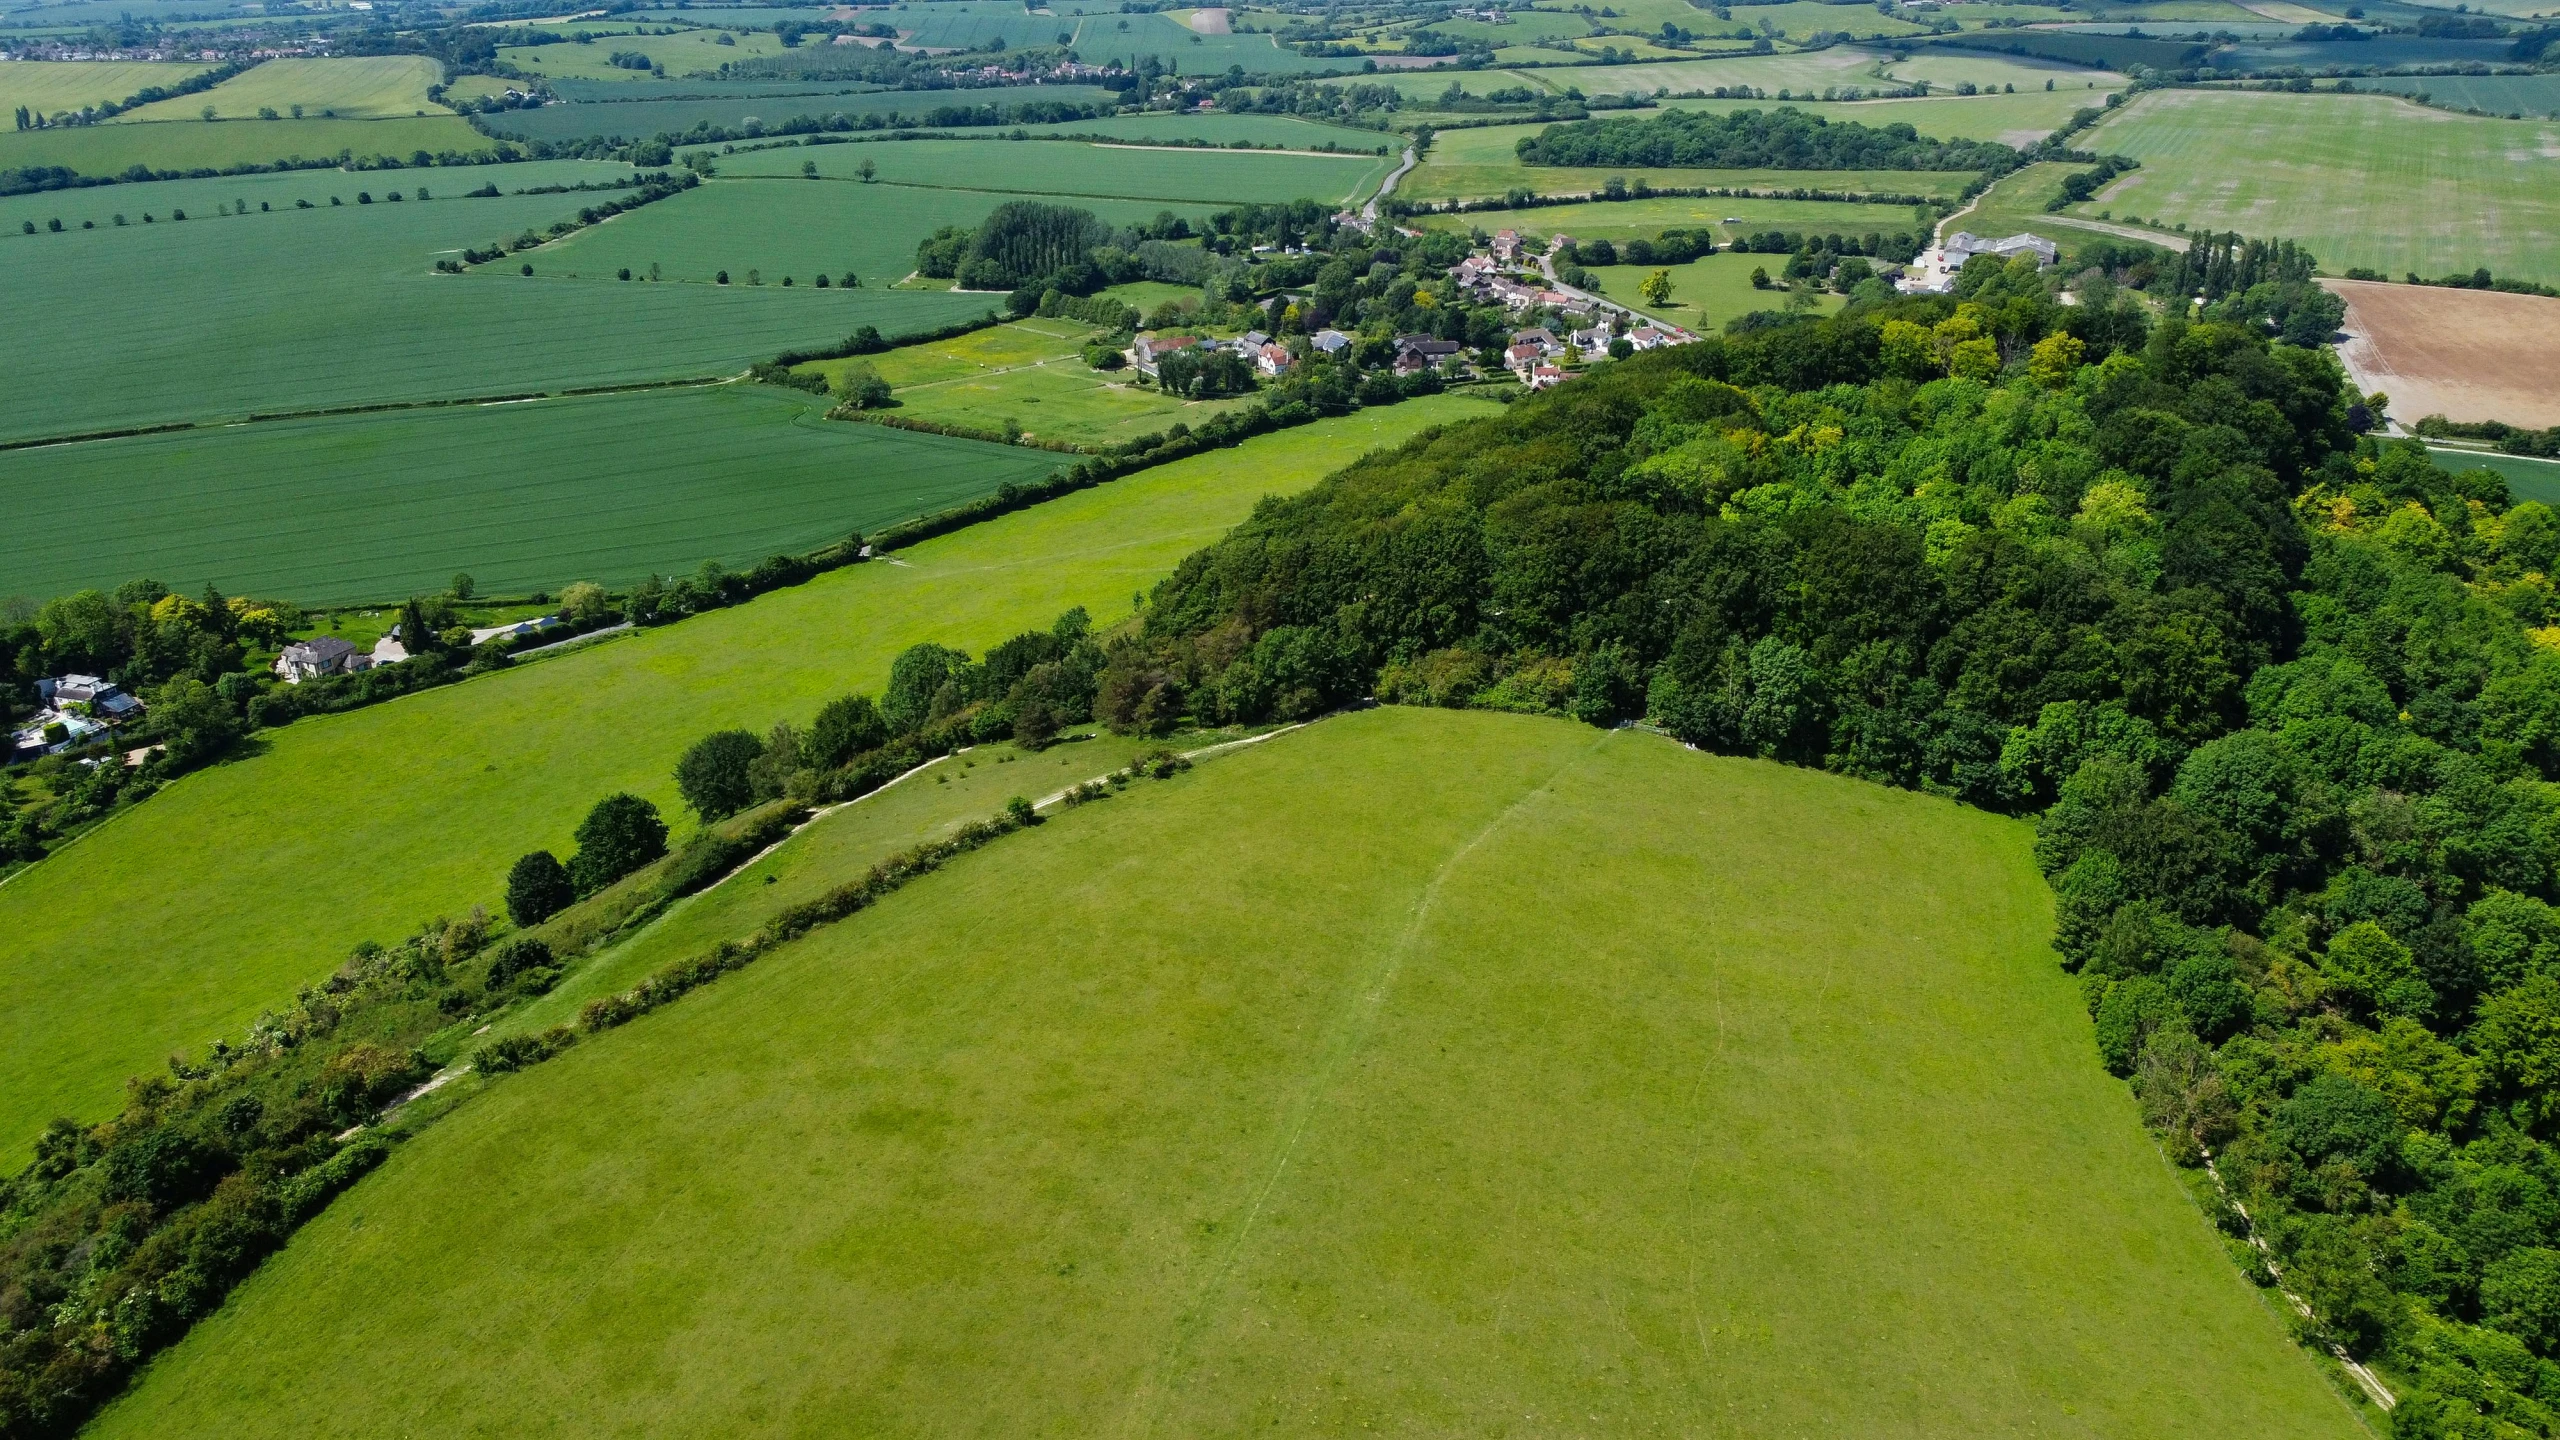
point(373, 87)
point(1628, 219)
point(780, 227)
point(522, 497)
point(406, 810)
point(1065, 168)
point(194, 145)
point(299, 310)
point(2020, 119)
point(1419, 1070)
point(2361, 180)
point(642, 119)
point(50, 87)
point(679, 54)
point(1485, 162)
point(1706, 292)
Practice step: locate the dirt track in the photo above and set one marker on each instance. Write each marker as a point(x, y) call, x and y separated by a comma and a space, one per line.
point(2462, 354)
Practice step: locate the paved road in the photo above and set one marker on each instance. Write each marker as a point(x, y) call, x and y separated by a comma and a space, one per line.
point(1369, 212)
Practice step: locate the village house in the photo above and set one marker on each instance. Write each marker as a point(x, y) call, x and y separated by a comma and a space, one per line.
point(1506, 246)
point(1592, 340)
point(1273, 359)
point(1521, 358)
point(1645, 337)
point(74, 710)
point(1545, 377)
point(1152, 348)
point(1543, 338)
point(1330, 342)
point(323, 655)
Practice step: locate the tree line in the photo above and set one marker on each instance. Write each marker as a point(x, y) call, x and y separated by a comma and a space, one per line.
point(1785, 139)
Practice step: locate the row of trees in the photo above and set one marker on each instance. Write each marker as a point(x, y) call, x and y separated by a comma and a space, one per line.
point(2274, 686)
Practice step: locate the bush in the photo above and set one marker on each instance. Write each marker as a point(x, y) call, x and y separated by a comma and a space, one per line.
point(621, 834)
point(537, 889)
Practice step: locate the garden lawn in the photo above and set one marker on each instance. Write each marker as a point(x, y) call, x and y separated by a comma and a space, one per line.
point(522, 497)
point(373, 87)
point(1485, 162)
point(1420, 1072)
point(300, 310)
point(1706, 292)
point(370, 822)
point(2361, 180)
point(189, 145)
point(50, 87)
point(1069, 168)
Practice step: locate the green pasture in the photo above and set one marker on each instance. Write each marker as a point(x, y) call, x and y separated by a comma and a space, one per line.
point(683, 53)
point(2017, 204)
point(1485, 162)
point(1797, 20)
point(2536, 95)
point(1072, 168)
point(1420, 1072)
point(1102, 38)
point(1628, 219)
point(373, 87)
point(300, 310)
point(387, 816)
point(2362, 180)
point(997, 347)
point(2527, 478)
point(51, 87)
point(112, 149)
point(2021, 119)
point(1945, 69)
point(1287, 131)
point(1706, 292)
point(98, 205)
point(1801, 72)
point(972, 25)
point(795, 228)
point(523, 497)
point(752, 106)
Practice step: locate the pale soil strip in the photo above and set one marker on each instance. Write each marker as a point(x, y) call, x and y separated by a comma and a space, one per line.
point(2371, 1383)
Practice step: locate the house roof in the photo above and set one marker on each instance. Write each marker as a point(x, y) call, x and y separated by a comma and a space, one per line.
point(319, 650)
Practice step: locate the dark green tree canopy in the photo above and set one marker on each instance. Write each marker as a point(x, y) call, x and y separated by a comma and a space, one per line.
point(1784, 139)
point(621, 834)
point(714, 775)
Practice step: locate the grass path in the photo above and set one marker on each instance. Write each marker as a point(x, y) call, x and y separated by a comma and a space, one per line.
point(178, 924)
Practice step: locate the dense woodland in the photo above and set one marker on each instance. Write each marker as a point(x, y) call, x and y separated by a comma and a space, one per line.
point(2285, 696)
point(1757, 140)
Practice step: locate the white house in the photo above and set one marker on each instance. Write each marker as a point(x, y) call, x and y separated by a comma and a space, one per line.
point(1273, 359)
point(1153, 348)
point(322, 655)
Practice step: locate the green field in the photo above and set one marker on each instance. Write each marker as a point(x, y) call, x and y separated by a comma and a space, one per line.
point(2537, 95)
point(1627, 219)
point(1287, 131)
point(749, 107)
point(2526, 477)
point(972, 25)
point(1485, 162)
point(193, 145)
point(796, 228)
point(679, 54)
point(1130, 39)
point(1806, 72)
point(98, 205)
point(396, 813)
point(1946, 69)
point(308, 309)
point(523, 496)
point(2361, 180)
point(1419, 1072)
point(51, 87)
point(1068, 168)
point(2021, 119)
point(1030, 375)
point(1706, 292)
point(377, 87)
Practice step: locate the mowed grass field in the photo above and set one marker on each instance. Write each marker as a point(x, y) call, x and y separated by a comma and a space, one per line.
point(51, 87)
point(1420, 1072)
point(1031, 375)
point(794, 227)
point(2362, 180)
point(372, 87)
point(1071, 168)
point(184, 145)
point(1486, 161)
point(522, 497)
point(390, 815)
point(299, 310)
point(1706, 292)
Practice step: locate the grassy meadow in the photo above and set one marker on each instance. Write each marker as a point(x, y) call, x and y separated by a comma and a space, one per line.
point(50, 87)
point(1069, 169)
point(308, 309)
point(1708, 291)
point(373, 87)
point(1030, 374)
point(521, 496)
point(2361, 180)
point(682, 53)
point(1728, 217)
point(1287, 131)
point(1431, 1072)
point(633, 116)
point(1485, 162)
point(2021, 119)
point(192, 144)
point(393, 814)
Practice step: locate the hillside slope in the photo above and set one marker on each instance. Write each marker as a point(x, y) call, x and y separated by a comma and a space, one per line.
point(1446, 1073)
point(178, 923)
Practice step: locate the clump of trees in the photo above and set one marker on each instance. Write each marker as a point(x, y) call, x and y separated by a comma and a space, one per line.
point(1785, 139)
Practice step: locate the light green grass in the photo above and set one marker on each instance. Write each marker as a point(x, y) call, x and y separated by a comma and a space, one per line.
point(51, 87)
point(794, 227)
point(998, 347)
point(522, 497)
point(2021, 119)
point(1946, 69)
point(1031, 375)
point(192, 144)
point(2527, 478)
point(1485, 162)
point(2361, 180)
point(1068, 168)
point(1627, 219)
point(1706, 292)
point(1286, 131)
point(307, 309)
point(205, 199)
point(686, 53)
point(372, 87)
point(1418, 1072)
point(1839, 65)
point(387, 816)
